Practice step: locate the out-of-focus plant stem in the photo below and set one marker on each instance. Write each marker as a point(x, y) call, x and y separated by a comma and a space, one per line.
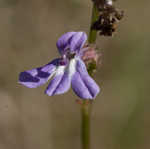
point(94, 18)
point(85, 110)
point(86, 106)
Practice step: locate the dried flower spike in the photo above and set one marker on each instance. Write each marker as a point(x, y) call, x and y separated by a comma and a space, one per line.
point(109, 17)
point(69, 70)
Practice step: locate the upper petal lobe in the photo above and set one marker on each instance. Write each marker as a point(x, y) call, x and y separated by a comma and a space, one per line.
point(63, 41)
point(73, 41)
point(77, 41)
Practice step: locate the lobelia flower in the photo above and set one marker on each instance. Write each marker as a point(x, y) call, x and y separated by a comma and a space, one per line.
point(69, 70)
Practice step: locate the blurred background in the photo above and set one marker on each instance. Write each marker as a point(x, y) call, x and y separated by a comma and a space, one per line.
point(29, 119)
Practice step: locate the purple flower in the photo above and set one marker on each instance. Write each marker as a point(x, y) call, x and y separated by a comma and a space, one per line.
point(69, 70)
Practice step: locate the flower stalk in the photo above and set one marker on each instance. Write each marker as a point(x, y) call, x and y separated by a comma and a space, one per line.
point(94, 18)
point(85, 109)
point(86, 106)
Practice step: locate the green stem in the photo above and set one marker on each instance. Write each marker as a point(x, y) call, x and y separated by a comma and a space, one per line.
point(93, 33)
point(86, 107)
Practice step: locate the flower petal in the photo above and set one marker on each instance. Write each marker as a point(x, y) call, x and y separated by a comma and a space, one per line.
point(77, 41)
point(83, 85)
point(63, 42)
point(62, 80)
point(38, 76)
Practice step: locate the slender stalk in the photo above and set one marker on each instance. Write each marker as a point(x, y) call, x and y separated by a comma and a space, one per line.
point(85, 109)
point(86, 106)
point(92, 32)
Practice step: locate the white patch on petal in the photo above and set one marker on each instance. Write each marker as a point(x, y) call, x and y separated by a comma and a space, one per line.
point(72, 67)
point(52, 74)
point(60, 70)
